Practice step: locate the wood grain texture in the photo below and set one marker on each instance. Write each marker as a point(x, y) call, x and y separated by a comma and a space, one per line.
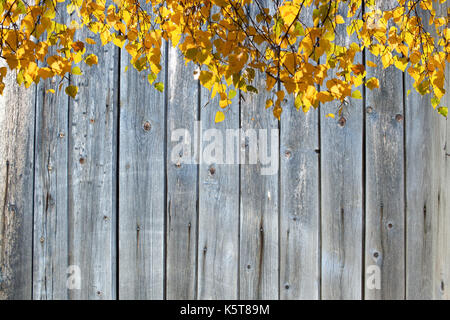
point(219, 231)
point(259, 208)
point(218, 244)
point(425, 157)
point(385, 188)
point(141, 184)
point(299, 200)
point(441, 280)
point(299, 214)
point(182, 181)
point(16, 189)
point(92, 176)
point(51, 223)
point(259, 198)
point(424, 162)
point(51, 220)
point(342, 191)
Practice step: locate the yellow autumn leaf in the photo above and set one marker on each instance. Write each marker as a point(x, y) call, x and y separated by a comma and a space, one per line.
point(220, 116)
point(91, 60)
point(71, 91)
point(356, 94)
point(371, 64)
point(277, 112)
point(77, 71)
point(372, 83)
point(339, 19)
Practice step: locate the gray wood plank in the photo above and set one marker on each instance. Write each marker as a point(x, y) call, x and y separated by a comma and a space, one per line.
point(51, 223)
point(92, 177)
point(342, 191)
point(141, 184)
point(299, 200)
point(259, 206)
point(50, 197)
point(182, 180)
point(443, 270)
point(16, 189)
point(259, 200)
point(259, 196)
point(299, 215)
point(441, 280)
point(424, 163)
point(385, 188)
point(218, 251)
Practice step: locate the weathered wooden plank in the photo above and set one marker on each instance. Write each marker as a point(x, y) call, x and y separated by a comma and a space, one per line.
point(424, 155)
point(16, 189)
point(299, 200)
point(259, 203)
point(182, 179)
point(259, 196)
point(299, 214)
point(218, 253)
point(141, 184)
point(92, 177)
point(441, 281)
point(342, 191)
point(385, 193)
point(50, 245)
point(50, 196)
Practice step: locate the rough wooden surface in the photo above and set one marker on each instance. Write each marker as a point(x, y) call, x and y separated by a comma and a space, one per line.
point(92, 153)
point(218, 243)
point(141, 184)
point(259, 204)
point(341, 172)
point(51, 223)
point(299, 214)
point(16, 189)
point(442, 270)
point(71, 176)
point(259, 210)
point(182, 181)
point(385, 196)
point(425, 157)
point(299, 201)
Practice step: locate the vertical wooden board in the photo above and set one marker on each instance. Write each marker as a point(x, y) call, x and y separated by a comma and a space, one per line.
point(424, 164)
point(182, 180)
point(441, 269)
point(259, 199)
point(50, 245)
point(299, 200)
point(385, 193)
point(425, 155)
point(50, 197)
point(17, 110)
point(141, 184)
point(342, 191)
point(300, 213)
point(259, 209)
point(92, 175)
point(218, 251)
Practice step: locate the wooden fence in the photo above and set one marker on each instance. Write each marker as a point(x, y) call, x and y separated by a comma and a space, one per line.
point(93, 207)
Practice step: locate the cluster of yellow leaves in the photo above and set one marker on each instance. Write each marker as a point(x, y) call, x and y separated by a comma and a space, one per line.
point(296, 44)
